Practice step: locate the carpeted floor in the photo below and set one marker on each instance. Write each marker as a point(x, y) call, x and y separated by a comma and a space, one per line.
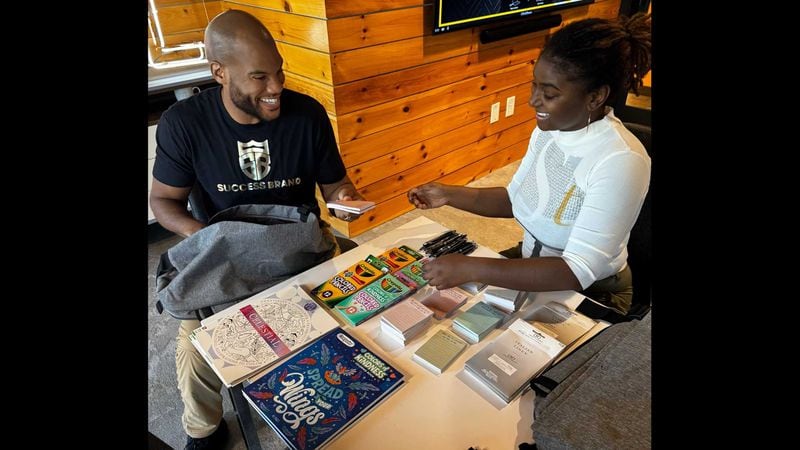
point(164, 402)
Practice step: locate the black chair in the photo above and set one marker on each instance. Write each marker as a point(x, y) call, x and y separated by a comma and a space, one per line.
point(640, 248)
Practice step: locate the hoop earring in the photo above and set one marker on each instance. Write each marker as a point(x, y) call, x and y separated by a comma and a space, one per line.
point(588, 122)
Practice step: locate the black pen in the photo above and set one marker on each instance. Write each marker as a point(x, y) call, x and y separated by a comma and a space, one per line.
point(445, 248)
point(437, 239)
point(449, 247)
point(467, 249)
point(450, 240)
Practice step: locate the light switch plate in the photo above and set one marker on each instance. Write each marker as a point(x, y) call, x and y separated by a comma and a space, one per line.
point(510, 105)
point(495, 112)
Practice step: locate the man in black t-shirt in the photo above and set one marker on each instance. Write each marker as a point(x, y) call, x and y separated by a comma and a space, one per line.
point(247, 141)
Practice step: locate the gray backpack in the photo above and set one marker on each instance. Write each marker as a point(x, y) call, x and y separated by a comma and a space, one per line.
point(598, 397)
point(245, 250)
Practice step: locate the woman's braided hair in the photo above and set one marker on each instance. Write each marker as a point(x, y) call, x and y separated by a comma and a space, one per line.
point(600, 51)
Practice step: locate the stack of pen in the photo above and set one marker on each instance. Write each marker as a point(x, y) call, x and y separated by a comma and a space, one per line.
point(449, 242)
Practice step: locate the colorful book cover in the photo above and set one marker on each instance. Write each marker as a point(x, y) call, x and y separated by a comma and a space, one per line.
point(349, 281)
point(365, 303)
point(260, 331)
point(316, 394)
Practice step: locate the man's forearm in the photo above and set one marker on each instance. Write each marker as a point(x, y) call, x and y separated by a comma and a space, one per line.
point(173, 216)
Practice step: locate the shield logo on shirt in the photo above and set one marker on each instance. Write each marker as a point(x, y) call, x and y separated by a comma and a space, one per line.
point(254, 159)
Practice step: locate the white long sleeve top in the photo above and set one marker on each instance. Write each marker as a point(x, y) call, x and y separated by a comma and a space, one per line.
point(579, 193)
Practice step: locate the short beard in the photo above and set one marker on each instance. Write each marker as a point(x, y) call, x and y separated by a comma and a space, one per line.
point(243, 103)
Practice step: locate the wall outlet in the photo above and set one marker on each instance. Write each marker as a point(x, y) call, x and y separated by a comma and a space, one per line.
point(510, 105)
point(495, 112)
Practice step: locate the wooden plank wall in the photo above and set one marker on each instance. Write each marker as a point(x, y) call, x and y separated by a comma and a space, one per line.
point(407, 107)
point(182, 21)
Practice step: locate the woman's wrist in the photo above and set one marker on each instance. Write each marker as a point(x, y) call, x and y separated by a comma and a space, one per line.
point(450, 192)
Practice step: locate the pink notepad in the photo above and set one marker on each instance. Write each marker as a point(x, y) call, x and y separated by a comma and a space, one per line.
point(445, 302)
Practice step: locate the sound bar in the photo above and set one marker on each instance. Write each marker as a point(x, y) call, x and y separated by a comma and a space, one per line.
point(518, 28)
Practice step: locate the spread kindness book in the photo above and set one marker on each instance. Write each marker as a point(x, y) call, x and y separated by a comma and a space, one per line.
point(312, 397)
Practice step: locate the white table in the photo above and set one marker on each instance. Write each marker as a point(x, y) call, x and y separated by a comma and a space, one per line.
point(430, 411)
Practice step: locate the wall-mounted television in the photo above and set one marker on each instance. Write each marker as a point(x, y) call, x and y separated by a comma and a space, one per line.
point(451, 15)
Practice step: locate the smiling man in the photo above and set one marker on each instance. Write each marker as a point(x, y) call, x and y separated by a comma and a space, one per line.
point(248, 141)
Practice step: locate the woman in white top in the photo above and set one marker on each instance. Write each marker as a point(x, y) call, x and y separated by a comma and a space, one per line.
point(581, 184)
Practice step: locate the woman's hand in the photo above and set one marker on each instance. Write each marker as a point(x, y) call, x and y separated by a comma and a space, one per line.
point(430, 195)
point(449, 270)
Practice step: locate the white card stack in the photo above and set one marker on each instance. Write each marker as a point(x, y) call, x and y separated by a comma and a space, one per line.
point(508, 300)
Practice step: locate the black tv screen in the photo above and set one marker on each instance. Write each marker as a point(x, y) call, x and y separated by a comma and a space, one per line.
point(450, 15)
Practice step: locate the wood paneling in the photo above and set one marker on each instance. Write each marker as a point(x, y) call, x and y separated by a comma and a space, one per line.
point(308, 63)
point(164, 3)
point(485, 166)
point(381, 88)
point(399, 205)
point(606, 9)
point(303, 31)
point(181, 38)
point(390, 114)
point(378, 144)
point(370, 61)
point(379, 28)
point(320, 91)
point(395, 55)
point(337, 8)
point(434, 169)
point(314, 8)
point(408, 157)
point(187, 17)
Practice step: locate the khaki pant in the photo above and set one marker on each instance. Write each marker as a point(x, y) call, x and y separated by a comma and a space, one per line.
point(199, 384)
point(615, 291)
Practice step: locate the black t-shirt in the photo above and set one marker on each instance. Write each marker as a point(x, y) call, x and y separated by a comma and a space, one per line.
point(275, 162)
